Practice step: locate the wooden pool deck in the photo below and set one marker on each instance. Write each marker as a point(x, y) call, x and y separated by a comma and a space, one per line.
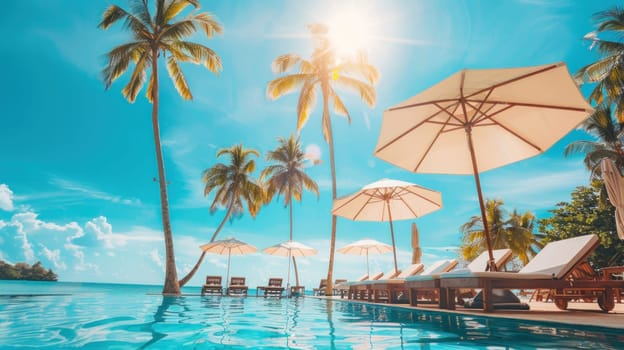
point(585, 314)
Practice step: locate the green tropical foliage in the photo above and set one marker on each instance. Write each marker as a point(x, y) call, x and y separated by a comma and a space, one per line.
point(234, 188)
point(514, 232)
point(157, 35)
point(608, 142)
point(583, 215)
point(607, 72)
point(23, 271)
point(324, 72)
point(286, 177)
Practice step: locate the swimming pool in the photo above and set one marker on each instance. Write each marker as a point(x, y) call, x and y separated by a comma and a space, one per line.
point(105, 316)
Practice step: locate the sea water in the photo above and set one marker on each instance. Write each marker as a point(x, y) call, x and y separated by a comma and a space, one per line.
point(108, 316)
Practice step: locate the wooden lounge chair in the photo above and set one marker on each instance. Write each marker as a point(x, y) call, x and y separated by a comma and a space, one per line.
point(343, 287)
point(361, 290)
point(212, 286)
point(559, 266)
point(336, 290)
point(321, 288)
point(237, 286)
point(426, 286)
point(272, 289)
point(391, 290)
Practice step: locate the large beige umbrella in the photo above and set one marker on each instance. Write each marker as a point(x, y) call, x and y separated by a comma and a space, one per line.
point(477, 120)
point(387, 200)
point(290, 248)
point(365, 247)
point(229, 246)
point(615, 189)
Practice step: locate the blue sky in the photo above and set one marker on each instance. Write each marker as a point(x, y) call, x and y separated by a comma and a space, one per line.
point(77, 161)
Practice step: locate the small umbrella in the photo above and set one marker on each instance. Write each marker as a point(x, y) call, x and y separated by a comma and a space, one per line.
point(416, 251)
point(290, 248)
point(229, 246)
point(481, 119)
point(387, 200)
point(615, 189)
point(366, 247)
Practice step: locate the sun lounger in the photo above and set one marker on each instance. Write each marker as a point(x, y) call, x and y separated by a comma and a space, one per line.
point(557, 266)
point(391, 290)
point(212, 286)
point(336, 290)
point(321, 288)
point(359, 289)
point(273, 289)
point(342, 288)
point(237, 286)
point(426, 286)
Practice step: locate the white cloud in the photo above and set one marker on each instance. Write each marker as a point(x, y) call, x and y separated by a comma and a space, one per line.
point(55, 257)
point(85, 191)
point(155, 256)
point(6, 198)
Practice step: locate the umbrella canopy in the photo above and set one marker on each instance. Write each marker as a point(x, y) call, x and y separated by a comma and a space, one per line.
point(387, 200)
point(365, 247)
point(229, 246)
point(615, 189)
point(290, 248)
point(416, 251)
point(477, 120)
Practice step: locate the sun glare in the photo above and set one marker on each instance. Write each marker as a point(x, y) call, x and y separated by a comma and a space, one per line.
point(350, 31)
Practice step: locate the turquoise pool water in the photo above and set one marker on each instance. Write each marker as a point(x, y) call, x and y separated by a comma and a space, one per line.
point(106, 316)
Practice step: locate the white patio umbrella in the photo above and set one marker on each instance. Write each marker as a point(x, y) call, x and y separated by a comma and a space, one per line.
point(229, 246)
point(480, 119)
point(290, 248)
point(365, 247)
point(615, 189)
point(388, 200)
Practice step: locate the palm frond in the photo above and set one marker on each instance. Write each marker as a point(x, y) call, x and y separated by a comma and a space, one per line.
point(284, 63)
point(208, 23)
point(339, 106)
point(149, 92)
point(174, 8)
point(306, 103)
point(131, 90)
point(178, 30)
point(178, 78)
point(114, 13)
point(367, 92)
point(359, 68)
point(119, 59)
point(286, 84)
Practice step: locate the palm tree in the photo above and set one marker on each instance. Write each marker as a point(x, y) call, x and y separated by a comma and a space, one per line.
point(287, 178)
point(234, 188)
point(515, 233)
point(607, 72)
point(608, 144)
point(325, 72)
point(151, 37)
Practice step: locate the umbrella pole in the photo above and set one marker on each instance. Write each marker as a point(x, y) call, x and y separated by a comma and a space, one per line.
point(367, 269)
point(475, 171)
point(288, 278)
point(396, 267)
point(227, 277)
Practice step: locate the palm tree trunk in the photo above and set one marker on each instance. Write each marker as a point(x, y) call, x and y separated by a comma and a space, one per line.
point(330, 141)
point(191, 273)
point(171, 275)
point(291, 237)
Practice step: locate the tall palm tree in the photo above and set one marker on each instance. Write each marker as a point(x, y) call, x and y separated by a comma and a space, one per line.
point(608, 144)
point(286, 177)
point(234, 188)
point(515, 233)
point(608, 71)
point(324, 71)
point(151, 37)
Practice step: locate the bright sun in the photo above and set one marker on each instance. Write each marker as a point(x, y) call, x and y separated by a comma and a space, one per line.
point(350, 31)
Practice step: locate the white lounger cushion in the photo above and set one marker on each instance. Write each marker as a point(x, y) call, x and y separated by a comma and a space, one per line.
point(552, 262)
point(480, 262)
